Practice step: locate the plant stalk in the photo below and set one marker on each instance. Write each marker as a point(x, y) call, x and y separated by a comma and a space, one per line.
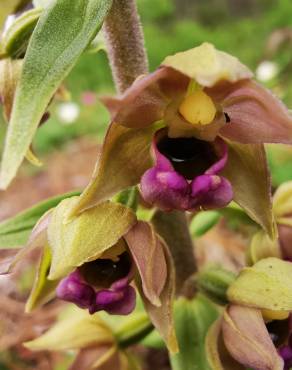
point(125, 43)
point(173, 227)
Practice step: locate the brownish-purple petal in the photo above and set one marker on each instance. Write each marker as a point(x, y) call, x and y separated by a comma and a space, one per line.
point(256, 115)
point(217, 354)
point(162, 317)
point(247, 339)
point(145, 101)
point(148, 253)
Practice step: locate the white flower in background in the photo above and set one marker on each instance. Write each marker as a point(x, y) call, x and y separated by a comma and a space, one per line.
point(68, 112)
point(266, 71)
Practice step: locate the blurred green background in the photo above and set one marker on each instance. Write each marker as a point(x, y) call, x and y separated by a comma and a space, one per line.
point(258, 32)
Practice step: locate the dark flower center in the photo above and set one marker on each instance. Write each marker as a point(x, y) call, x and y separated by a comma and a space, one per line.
point(189, 156)
point(102, 273)
point(279, 331)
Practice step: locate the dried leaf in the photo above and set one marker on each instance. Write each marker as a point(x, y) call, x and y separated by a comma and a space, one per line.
point(10, 71)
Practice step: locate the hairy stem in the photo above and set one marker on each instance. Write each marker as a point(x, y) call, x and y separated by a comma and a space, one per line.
point(173, 227)
point(125, 43)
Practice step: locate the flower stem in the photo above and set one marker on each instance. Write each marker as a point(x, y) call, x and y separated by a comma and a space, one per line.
point(134, 331)
point(127, 55)
point(173, 227)
point(125, 43)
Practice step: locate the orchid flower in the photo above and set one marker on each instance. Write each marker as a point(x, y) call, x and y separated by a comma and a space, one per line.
point(254, 330)
point(93, 260)
point(206, 121)
point(93, 338)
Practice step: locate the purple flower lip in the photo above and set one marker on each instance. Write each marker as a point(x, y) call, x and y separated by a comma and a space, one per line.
point(101, 285)
point(186, 174)
point(286, 353)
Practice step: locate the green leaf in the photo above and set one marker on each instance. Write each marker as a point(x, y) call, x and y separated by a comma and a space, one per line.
point(203, 222)
point(63, 32)
point(15, 231)
point(192, 321)
point(43, 289)
point(86, 237)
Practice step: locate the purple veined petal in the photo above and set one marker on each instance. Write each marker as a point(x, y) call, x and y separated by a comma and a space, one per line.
point(72, 289)
point(210, 192)
point(119, 302)
point(223, 153)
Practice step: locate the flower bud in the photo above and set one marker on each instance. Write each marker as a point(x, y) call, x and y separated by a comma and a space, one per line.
point(214, 282)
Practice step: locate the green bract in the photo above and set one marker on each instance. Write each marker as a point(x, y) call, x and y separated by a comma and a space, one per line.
point(48, 60)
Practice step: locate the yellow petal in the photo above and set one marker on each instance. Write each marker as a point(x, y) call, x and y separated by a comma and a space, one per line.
point(262, 246)
point(85, 237)
point(207, 65)
point(275, 315)
point(265, 285)
point(77, 329)
point(282, 200)
point(198, 108)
